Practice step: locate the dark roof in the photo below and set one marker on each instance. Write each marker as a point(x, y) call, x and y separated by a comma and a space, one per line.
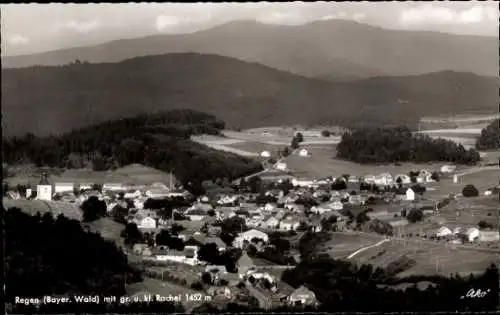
point(43, 180)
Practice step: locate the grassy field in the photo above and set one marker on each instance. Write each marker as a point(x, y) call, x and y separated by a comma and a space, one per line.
point(134, 174)
point(342, 245)
point(31, 207)
point(322, 162)
point(108, 229)
point(431, 258)
point(256, 147)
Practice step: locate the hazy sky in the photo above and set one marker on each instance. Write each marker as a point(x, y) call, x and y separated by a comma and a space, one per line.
point(28, 28)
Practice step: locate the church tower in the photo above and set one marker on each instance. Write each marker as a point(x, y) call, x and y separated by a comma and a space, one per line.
point(44, 189)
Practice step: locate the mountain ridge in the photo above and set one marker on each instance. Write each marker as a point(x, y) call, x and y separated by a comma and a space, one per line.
point(240, 93)
point(310, 49)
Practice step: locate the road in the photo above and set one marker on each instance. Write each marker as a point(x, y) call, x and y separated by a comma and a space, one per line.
point(264, 302)
point(367, 247)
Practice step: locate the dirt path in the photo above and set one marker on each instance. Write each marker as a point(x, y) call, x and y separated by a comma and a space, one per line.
point(367, 247)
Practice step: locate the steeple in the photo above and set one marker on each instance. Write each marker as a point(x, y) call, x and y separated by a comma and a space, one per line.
point(43, 180)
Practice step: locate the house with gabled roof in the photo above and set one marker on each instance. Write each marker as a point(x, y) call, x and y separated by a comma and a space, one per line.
point(302, 296)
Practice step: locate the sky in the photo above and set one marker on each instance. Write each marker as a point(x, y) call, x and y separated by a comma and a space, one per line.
point(32, 28)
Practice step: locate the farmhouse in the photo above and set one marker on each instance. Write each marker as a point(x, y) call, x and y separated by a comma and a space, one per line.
point(303, 152)
point(448, 168)
point(113, 187)
point(132, 194)
point(289, 225)
point(302, 296)
point(265, 154)
point(370, 179)
point(280, 166)
point(443, 232)
point(248, 235)
point(272, 223)
point(410, 194)
point(302, 182)
point(472, 234)
point(399, 223)
point(63, 187)
point(157, 193)
point(86, 186)
point(403, 179)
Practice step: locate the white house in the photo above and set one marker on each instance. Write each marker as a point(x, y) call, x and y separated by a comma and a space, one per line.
point(157, 193)
point(63, 187)
point(472, 234)
point(302, 182)
point(269, 207)
point(86, 186)
point(139, 203)
point(44, 189)
point(248, 236)
point(303, 152)
point(353, 179)
point(28, 192)
point(265, 154)
point(147, 223)
point(196, 214)
point(455, 179)
point(188, 256)
point(443, 231)
point(403, 179)
point(370, 179)
point(272, 223)
point(302, 295)
point(448, 168)
point(280, 166)
point(410, 194)
point(132, 194)
point(113, 187)
point(289, 225)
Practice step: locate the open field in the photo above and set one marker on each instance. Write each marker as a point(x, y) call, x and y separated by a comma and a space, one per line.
point(109, 229)
point(133, 174)
point(321, 163)
point(342, 245)
point(31, 207)
point(431, 258)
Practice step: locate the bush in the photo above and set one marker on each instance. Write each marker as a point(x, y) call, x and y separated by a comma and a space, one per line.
point(198, 286)
point(325, 133)
point(470, 191)
point(415, 215)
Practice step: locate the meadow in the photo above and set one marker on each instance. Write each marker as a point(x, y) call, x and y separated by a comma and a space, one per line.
point(342, 245)
point(430, 258)
point(130, 174)
point(322, 163)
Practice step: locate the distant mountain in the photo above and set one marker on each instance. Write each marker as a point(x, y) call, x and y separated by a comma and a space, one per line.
point(335, 49)
point(45, 100)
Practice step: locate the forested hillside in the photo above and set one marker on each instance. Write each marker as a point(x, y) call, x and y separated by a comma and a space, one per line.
point(45, 100)
point(158, 140)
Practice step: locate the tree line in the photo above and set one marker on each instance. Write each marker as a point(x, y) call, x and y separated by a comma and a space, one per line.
point(159, 140)
point(490, 137)
point(399, 144)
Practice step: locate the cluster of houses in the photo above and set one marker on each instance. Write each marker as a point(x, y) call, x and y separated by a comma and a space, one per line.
point(460, 235)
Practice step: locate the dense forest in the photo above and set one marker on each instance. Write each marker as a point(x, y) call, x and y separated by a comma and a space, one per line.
point(490, 137)
point(55, 256)
point(159, 140)
point(398, 144)
point(45, 100)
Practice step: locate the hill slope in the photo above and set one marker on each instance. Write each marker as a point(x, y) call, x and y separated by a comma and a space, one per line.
point(45, 100)
point(334, 49)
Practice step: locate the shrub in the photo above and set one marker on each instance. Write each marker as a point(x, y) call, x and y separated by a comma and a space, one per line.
point(415, 215)
point(470, 191)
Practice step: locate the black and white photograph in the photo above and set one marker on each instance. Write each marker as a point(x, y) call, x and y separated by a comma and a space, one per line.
point(252, 157)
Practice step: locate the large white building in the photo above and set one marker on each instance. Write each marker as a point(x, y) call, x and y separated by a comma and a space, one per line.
point(63, 187)
point(44, 189)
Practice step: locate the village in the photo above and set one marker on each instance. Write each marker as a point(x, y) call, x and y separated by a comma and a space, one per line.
point(265, 217)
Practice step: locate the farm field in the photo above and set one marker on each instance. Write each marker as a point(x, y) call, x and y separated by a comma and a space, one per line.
point(430, 258)
point(321, 163)
point(109, 229)
point(342, 245)
point(31, 207)
point(256, 147)
point(134, 174)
